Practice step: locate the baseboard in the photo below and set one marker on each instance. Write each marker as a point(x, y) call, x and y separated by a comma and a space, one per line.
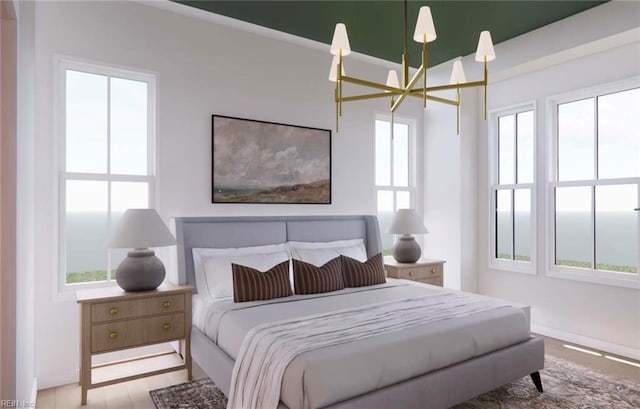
point(587, 342)
point(54, 379)
point(34, 392)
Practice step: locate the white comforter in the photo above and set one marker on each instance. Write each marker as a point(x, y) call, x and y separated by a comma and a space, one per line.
point(332, 373)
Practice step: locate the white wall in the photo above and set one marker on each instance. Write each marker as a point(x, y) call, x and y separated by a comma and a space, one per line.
point(202, 68)
point(25, 308)
point(599, 316)
point(450, 183)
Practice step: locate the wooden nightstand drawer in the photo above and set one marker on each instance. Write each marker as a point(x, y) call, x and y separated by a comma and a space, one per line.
point(131, 333)
point(420, 272)
point(165, 328)
point(161, 305)
point(117, 310)
point(117, 335)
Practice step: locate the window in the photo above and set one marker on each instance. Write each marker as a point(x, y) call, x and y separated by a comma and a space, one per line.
point(594, 186)
point(513, 142)
point(106, 163)
point(394, 172)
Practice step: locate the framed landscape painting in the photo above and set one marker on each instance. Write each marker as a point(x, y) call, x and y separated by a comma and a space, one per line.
point(266, 162)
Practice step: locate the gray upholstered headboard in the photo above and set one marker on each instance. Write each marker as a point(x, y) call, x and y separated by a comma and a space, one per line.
point(227, 232)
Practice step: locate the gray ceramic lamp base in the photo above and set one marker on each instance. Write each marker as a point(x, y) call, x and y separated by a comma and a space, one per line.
point(140, 271)
point(406, 249)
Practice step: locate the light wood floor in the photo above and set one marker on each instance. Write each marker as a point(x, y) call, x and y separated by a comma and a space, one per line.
point(135, 394)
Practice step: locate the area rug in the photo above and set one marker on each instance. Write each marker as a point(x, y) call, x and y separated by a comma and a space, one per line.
point(566, 386)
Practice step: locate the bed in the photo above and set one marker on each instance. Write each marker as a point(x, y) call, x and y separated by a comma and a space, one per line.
point(435, 366)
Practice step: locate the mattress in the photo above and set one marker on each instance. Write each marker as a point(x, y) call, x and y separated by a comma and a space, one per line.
point(328, 375)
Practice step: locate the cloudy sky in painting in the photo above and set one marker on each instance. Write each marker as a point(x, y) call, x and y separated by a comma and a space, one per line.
point(251, 154)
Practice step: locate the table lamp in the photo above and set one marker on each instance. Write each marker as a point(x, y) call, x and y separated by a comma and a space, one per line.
point(140, 229)
point(406, 222)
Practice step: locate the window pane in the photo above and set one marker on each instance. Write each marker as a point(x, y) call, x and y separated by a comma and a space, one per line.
point(575, 140)
point(403, 200)
point(385, 216)
point(522, 224)
point(401, 155)
point(383, 153)
point(573, 227)
point(128, 127)
point(86, 230)
point(506, 141)
point(504, 226)
point(617, 228)
point(525, 147)
point(619, 135)
point(125, 195)
point(86, 122)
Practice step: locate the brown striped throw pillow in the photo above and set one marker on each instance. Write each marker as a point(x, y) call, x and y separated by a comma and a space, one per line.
point(250, 284)
point(309, 279)
point(358, 274)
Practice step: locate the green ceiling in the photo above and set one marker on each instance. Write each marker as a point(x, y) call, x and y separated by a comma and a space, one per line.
point(376, 27)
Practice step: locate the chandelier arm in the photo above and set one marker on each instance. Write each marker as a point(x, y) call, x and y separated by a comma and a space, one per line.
point(450, 86)
point(372, 84)
point(408, 88)
point(437, 99)
point(365, 96)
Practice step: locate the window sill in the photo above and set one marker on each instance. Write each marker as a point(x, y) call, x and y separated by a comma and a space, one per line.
point(596, 277)
point(522, 267)
point(67, 292)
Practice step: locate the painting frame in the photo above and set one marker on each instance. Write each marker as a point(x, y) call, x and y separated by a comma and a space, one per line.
point(313, 192)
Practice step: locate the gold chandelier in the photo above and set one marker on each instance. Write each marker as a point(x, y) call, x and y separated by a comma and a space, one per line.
point(424, 33)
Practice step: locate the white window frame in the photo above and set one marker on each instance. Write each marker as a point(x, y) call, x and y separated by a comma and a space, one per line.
point(62, 290)
point(525, 267)
point(412, 185)
point(575, 273)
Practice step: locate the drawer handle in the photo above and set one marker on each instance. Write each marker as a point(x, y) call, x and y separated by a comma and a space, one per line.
point(113, 311)
point(410, 273)
point(113, 335)
point(433, 270)
point(166, 326)
point(166, 304)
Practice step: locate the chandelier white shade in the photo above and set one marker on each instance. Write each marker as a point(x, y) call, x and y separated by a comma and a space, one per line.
point(392, 79)
point(457, 73)
point(398, 89)
point(485, 48)
point(340, 41)
point(425, 29)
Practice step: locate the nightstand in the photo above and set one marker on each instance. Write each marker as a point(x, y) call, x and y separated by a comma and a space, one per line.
point(424, 270)
point(112, 319)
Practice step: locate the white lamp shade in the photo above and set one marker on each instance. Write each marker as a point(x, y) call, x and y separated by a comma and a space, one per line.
point(140, 228)
point(334, 69)
point(407, 221)
point(485, 47)
point(340, 41)
point(457, 73)
point(392, 79)
point(424, 26)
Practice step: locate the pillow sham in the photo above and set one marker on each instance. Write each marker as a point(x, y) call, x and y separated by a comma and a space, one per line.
point(216, 280)
point(309, 279)
point(319, 253)
point(358, 274)
point(250, 284)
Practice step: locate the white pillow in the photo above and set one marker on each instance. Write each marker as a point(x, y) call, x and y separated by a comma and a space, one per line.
point(206, 283)
point(318, 253)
